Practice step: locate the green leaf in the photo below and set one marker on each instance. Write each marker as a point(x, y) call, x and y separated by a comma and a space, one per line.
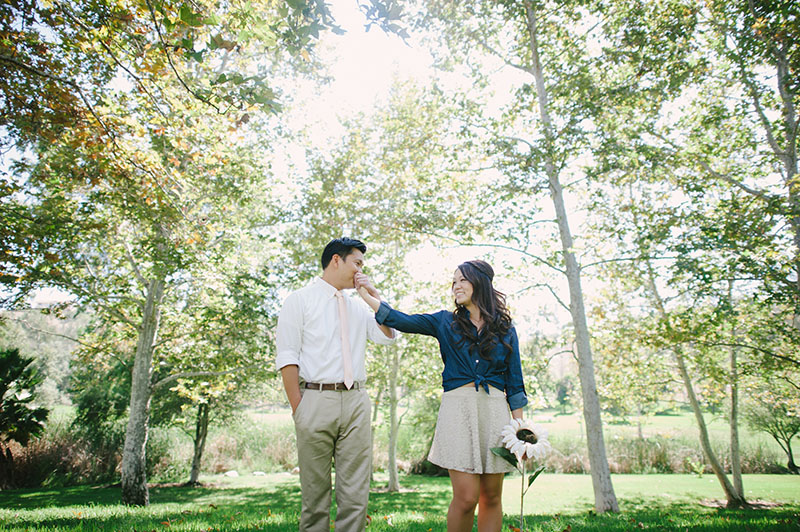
point(212, 20)
point(189, 17)
point(297, 5)
point(534, 475)
point(505, 454)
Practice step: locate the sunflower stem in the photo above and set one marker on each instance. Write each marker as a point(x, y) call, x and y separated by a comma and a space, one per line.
point(522, 496)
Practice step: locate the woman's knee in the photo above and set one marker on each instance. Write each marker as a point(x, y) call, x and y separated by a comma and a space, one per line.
point(490, 499)
point(465, 502)
point(491, 493)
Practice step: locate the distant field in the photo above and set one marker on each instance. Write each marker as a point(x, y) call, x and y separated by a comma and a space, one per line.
point(571, 424)
point(570, 427)
point(682, 423)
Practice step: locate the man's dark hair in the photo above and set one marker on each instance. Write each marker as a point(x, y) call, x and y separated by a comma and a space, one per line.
point(342, 247)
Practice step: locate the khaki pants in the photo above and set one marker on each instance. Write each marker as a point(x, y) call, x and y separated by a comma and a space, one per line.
point(334, 425)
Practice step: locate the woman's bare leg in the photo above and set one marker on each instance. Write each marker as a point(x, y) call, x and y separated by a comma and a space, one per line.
point(490, 503)
point(466, 493)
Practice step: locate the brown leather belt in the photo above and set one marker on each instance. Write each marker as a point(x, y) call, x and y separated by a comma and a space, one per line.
point(333, 386)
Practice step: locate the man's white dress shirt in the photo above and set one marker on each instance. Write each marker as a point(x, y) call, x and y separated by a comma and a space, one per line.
point(308, 333)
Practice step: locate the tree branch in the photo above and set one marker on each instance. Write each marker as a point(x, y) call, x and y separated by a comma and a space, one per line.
point(549, 288)
point(187, 374)
point(68, 82)
point(76, 340)
point(473, 244)
point(483, 44)
point(753, 347)
point(625, 259)
point(132, 261)
point(169, 59)
point(114, 57)
point(752, 191)
point(117, 148)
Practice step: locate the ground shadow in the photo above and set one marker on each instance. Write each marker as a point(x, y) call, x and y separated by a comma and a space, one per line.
point(275, 508)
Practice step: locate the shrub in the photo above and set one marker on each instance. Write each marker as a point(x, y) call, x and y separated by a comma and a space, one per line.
point(62, 456)
point(657, 454)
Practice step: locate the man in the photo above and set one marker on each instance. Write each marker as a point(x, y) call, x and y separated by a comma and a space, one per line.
point(321, 338)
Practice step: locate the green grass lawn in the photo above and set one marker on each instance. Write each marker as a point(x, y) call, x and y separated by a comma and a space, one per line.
point(271, 503)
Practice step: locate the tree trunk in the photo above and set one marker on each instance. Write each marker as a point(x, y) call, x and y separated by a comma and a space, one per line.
point(736, 461)
point(200, 434)
point(604, 497)
point(7, 468)
point(734, 500)
point(134, 477)
point(394, 483)
point(790, 464)
point(731, 495)
point(376, 405)
point(788, 153)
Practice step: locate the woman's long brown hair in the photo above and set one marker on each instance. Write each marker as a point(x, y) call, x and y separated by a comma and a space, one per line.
point(492, 306)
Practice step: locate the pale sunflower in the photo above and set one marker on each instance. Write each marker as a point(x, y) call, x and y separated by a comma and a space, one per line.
point(523, 438)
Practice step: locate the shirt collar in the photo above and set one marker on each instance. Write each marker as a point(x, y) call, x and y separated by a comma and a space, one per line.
point(327, 288)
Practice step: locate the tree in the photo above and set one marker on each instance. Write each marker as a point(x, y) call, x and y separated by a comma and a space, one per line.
point(49, 337)
point(774, 410)
point(125, 185)
point(215, 353)
point(532, 142)
point(19, 420)
point(701, 117)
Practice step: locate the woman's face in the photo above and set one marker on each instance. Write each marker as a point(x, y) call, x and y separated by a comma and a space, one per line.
point(462, 289)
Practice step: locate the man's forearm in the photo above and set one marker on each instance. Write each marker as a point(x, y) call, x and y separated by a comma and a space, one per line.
point(388, 331)
point(291, 384)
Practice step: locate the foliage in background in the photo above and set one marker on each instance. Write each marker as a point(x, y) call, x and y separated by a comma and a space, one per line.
point(20, 419)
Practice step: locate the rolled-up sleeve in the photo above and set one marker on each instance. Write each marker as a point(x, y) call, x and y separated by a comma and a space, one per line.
point(408, 323)
point(515, 387)
point(289, 333)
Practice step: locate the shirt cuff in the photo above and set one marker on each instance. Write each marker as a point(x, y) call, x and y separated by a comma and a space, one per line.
point(286, 359)
point(518, 400)
point(383, 312)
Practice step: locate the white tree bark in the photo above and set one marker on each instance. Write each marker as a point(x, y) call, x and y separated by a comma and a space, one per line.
point(604, 497)
point(733, 498)
point(736, 460)
point(394, 482)
point(201, 433)
point(134, 478)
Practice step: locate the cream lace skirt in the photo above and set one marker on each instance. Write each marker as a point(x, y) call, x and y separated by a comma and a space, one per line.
point(469, 425)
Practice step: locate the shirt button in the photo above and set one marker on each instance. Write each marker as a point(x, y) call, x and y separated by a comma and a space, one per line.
point(476, 361)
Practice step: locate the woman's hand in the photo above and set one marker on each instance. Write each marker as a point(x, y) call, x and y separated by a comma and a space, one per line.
point(367, 292)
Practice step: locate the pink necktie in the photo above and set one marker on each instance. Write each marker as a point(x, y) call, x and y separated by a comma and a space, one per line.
point(346, 360)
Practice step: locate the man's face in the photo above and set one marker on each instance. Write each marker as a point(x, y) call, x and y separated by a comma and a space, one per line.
point(348, 267)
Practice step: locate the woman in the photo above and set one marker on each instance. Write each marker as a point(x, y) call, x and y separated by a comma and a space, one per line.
point(482, 380)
